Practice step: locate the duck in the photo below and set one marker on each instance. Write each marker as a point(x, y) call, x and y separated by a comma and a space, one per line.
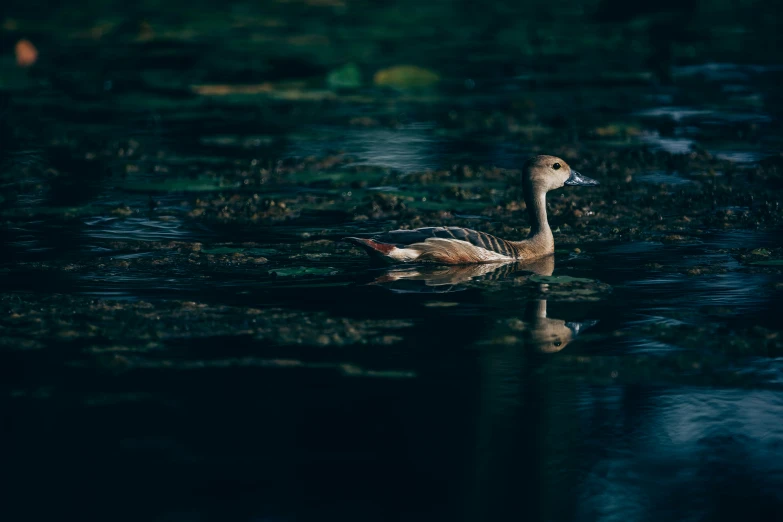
point(439, 278)
point(549, 335)
point(542, 334)
point(463, 246)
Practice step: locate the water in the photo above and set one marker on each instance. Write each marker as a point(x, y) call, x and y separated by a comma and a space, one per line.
point(184, 337)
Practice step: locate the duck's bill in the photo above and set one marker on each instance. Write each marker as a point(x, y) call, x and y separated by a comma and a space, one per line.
point(577, 328)
point(578, 179)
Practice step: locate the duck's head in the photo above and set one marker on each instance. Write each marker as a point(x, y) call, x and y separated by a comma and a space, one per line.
point(553, 335)
point(545, 173)
point(548, 335)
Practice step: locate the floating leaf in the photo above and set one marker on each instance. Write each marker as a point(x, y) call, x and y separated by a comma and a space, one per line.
point(319, 285)
point(26, 53)
point(559, 279)
point(227, 89)
point(406, 77)
point(222, 250)
point(346, 77)
point(440, 304)
point(616, 130)
point(761, 252)
point(67, 212)
point(295, 271)
point(260, 252)
point(178, 185)
point(315, 176)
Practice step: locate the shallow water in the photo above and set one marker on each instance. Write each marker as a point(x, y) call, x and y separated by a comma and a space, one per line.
point(184, 337)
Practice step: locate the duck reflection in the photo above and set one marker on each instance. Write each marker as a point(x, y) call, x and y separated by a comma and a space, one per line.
point(541, 333)
point(547, 335)
point(452, 278)
point(524, 425)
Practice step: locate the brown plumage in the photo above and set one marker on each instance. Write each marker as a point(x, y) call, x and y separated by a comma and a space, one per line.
point(455, 245)
point(543, 334)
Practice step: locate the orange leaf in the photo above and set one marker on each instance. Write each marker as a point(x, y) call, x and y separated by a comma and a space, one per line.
point(26, 53)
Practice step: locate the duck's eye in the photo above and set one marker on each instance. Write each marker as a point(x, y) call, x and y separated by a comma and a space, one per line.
point(557, 343)
point(556, 166)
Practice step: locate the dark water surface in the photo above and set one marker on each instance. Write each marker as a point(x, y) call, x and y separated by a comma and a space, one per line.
point(183, 338)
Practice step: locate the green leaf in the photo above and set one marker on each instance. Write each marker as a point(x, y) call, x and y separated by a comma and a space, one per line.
point(559, 279)
point(346, 77)
point(262, 252)
point(295, 271)
point(406, 77)
point(224, 250)
point(221, 250)
point(770, 262)
point(178, 185)
point(319, 285)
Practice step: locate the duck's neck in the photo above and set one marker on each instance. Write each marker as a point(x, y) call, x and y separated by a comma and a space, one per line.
point(540, 233)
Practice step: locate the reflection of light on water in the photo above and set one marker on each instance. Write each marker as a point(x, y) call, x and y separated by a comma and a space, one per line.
point(739, 156)
point(636, 247)
point(646, 346)
point(675, 113)
point(737, 290)
point(710, 437)
point(732, 289)
point(723, 71)
point(134, 229)
point(671, 145)
point(407, 148)
point(661, 177)
point(742, 238)
point(767, 369)
point(656, 320)
point(666, 294)
point(691, 121)
point(688, 419)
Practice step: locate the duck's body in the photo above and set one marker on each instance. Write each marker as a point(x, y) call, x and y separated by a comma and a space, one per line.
point(456, 246)
point(446, 245)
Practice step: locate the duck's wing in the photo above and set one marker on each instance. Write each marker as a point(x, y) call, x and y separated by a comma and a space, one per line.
point(403, 238)
point(445, 245)
point(445, 275)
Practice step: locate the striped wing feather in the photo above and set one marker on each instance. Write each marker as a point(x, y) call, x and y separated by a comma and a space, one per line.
point(483, 240)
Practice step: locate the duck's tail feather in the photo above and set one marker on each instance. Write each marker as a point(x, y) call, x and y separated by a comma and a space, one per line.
point(375, 249)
